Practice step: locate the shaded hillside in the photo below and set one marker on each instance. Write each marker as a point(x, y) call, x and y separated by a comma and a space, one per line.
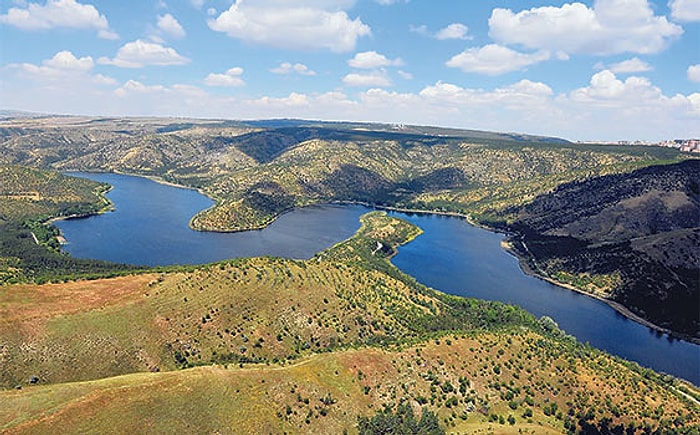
point(307, 346)
point(257, 170)
point(633, 238)
point(29, 249)
point(386, 173)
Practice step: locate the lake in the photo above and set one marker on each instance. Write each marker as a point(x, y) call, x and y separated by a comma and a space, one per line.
point(150, 227)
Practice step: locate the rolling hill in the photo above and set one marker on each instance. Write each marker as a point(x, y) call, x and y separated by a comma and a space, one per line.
point(257, 170)
point(307, 346)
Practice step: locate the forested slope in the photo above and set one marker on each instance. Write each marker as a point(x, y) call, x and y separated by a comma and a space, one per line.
point(633, 238)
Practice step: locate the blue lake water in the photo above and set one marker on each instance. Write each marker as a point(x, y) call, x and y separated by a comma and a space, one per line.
point(150, 227)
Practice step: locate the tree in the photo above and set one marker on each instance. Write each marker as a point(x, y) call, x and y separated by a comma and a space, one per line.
point(401, 422)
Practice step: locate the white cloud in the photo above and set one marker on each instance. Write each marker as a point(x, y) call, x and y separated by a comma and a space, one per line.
point(232, 78)
point(421, 30)
point(694, 73)
point(103, 80)
point(605, 87)
point(197, 3)
point(453, 31)
point(606, 108)
point(610, 27)
point(405, 75)
point(313, 25)
point(685, 10)
point(170, 26)
point(633, 65)
point(139, 53)
point(59, 14)
point(371, 60)
point(390, 2)
point(136, 87)
point(298, 68)
point(494, 59)
point(374, 78)
point(65, 60)
point(63, 66)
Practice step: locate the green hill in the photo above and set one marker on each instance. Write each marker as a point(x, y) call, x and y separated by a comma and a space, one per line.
point(306, 346)
point(632, 238)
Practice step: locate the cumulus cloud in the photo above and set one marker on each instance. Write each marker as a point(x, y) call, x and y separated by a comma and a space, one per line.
point(685, 10)
point(374, 78)
point(297, 68)
point(63, 67)
point(170, 26)
point(609, 27)
point(311, 25)
point(59, 84)
point(59, 14)
point(65, 60)
point(136, 87)
point(371, 60)
point(633, 65)
point(453, 31)
point(605, 89)
point(694, 73)
point(139, 53)
point(494, 59)
point(231, 78)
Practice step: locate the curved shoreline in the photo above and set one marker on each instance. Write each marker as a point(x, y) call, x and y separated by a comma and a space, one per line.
point(522, 259)
point(621, 309)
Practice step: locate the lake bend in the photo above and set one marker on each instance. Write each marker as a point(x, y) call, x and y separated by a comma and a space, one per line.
point(150, 226)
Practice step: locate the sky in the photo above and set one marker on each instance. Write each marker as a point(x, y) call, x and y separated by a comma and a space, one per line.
point(591, 70)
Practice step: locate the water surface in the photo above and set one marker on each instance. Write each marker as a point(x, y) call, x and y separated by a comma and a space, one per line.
point(461, 259)
point(150, 227)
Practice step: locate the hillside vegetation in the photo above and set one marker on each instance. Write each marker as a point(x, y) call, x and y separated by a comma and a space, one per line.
point(308, 346)
point(257, 170)
point(30, 250)
point(633, 238)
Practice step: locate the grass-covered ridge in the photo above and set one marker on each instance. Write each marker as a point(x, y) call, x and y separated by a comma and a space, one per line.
point(246, 310)
point(306, 346)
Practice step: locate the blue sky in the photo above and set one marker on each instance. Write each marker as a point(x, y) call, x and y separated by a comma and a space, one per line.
point(591, 70)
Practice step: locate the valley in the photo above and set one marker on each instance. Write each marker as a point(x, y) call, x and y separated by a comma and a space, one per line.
point(314, 344)
point(317, 344)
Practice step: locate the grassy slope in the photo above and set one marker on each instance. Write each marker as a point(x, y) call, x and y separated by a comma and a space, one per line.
point(315, 319)
point(262, 309)
point(325, 393)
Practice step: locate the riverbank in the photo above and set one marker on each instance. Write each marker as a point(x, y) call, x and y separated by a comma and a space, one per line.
point(107, 207)
point(525, 264)
point(523, 257)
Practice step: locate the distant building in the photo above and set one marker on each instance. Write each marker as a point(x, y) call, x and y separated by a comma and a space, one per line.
point(684, 145)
